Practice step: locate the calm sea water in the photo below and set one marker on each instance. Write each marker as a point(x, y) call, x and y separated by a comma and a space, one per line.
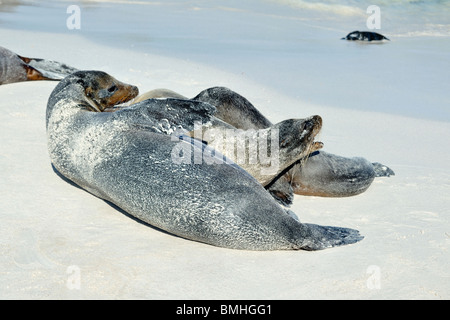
point(291, 45)
point(399, 17)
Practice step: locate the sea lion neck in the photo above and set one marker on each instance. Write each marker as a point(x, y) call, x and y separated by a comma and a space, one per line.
point(68, 97)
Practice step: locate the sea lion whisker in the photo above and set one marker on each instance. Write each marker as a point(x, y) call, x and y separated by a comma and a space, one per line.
point(93, 105)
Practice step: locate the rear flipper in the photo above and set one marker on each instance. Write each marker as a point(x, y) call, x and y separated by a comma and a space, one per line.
point(322, 237)
point(48, 69)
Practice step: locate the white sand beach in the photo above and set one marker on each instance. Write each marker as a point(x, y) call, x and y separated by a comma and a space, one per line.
point(385, 102)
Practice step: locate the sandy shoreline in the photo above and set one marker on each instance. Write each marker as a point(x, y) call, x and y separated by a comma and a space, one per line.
point(59, 242)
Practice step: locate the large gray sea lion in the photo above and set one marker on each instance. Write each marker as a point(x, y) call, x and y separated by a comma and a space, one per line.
point(121, 157)
point(16, 68)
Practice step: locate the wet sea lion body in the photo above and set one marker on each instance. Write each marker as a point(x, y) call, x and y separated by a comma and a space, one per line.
point(364, 36)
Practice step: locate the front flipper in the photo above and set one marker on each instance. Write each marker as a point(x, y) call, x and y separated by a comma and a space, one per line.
point(281, 190)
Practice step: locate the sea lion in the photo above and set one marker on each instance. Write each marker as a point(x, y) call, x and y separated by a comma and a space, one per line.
point(364, 36)
point(121, 158)
point(232, 108)
point(15, 68)
point(266, 152)
point(286, 142)
point(319, 174)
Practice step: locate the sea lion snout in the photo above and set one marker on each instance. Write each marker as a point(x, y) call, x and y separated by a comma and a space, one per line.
point(313, 124)
point(112, 92)
point(122, 93)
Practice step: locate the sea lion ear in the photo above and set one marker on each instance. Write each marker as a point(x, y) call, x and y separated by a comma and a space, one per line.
point(79, 78)
point(80, 82)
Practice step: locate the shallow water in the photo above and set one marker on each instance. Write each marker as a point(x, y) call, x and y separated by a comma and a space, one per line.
point(293, 46)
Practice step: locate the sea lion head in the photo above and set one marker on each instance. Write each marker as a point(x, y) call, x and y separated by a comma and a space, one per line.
point(103, 91)
point(297, 136)
point(364, 36)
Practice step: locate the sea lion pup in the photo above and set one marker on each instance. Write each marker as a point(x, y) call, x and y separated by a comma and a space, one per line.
point(15, 68)
point(264, 153)
point(121, 158)
point(364, 36)
point(319, 174)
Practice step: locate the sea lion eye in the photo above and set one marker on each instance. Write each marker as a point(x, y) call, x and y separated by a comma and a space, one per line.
point(112, 88)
